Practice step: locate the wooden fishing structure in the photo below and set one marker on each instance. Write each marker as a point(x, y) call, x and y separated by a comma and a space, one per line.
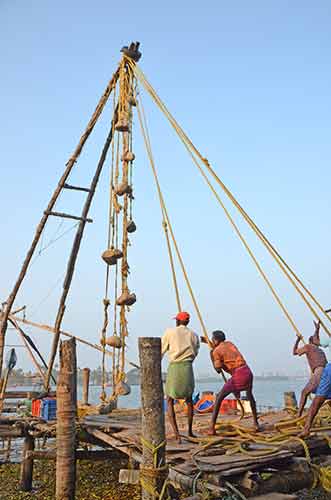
point(237, 462)
point(233, 463)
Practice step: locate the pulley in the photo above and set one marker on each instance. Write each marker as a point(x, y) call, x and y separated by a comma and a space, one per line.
point(126, 299)
point(111, 256)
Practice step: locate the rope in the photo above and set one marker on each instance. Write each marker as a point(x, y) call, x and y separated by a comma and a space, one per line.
point(272, 250)
point(149, 475)
point(126, 83)
point(106, 301)
point(106, 304)
point(144, 129)
point(166, 216)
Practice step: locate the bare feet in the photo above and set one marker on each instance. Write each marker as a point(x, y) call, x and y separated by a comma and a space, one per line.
point(192, 435)
point(304, 434)
point(211, 431)
point(256, 428)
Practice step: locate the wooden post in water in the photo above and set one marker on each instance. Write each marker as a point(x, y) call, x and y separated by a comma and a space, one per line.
point(86, 382)
point(66, 394)
point(27, 464)
point(153, 471)
point(290, 400)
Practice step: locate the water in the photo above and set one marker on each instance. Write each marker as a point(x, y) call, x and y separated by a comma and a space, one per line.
point(267, 392)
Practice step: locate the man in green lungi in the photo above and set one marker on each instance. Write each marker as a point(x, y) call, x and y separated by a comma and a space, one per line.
point(182, 346)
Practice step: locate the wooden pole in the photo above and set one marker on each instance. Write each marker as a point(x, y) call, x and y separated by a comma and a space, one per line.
point(69, 166)
point(27, 464)
point(3, 389)
point(28, 348)
point(66, 422)
point(153, 470)
point(290, 400)
point(50, 329)
point(75, 250)
point(86, 382)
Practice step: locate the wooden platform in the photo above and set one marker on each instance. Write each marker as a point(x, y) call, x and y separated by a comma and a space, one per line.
point(214, 460)
point(206, 454)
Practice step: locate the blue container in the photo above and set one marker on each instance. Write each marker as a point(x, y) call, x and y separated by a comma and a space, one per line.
point(48, 409)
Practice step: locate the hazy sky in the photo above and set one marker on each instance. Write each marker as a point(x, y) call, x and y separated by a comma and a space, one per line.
point(250, 83)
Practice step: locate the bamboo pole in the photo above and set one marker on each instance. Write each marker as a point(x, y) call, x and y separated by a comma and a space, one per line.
point(50, 329)
point(28, 348)
point(86, 382)
point(153, 471)
point(75, 250)
point(27, 464)
point(66, 422)
point(69, 166)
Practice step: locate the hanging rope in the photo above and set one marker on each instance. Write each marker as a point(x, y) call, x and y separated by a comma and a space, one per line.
point(142, 119)
point(190, 147)
point(125, 91)
point(106, 301)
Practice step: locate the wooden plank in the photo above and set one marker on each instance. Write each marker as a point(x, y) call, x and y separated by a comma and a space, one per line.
point(76, 188)
point(119, 445)
point(225, 460)
point(68, 216)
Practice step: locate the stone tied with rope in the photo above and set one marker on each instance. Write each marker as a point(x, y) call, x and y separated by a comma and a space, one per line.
point(120, 225)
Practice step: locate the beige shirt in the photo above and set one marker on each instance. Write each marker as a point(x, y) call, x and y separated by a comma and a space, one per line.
point(180, 343)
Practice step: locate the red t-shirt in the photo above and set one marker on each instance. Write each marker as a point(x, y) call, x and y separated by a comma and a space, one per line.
point(227, 356)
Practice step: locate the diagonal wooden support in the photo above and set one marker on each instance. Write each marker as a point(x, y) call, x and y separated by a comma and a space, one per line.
point(75, 250)
point(69, 166)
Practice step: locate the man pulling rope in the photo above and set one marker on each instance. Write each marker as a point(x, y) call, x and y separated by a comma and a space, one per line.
point(225, 356)
point(317, 361)
point(323, 391)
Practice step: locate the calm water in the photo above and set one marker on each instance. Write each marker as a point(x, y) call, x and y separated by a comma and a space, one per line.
point(267, 393)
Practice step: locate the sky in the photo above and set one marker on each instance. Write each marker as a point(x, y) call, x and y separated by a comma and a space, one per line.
point(250, 83)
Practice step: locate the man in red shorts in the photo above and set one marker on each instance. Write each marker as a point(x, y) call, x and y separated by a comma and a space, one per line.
point(225, 356)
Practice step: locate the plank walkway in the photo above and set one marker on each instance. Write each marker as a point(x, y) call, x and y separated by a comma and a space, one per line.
point(208, 458)
point(121, 430)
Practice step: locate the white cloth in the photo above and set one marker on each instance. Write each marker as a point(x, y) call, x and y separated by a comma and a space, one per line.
point(180, 343)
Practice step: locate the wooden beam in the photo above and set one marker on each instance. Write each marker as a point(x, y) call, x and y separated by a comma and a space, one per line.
point(75, 250)
point(115, 443)
point(69, 216)
point(76, 188)
point(50, 329)
point(69, 166)
point(28, 348)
